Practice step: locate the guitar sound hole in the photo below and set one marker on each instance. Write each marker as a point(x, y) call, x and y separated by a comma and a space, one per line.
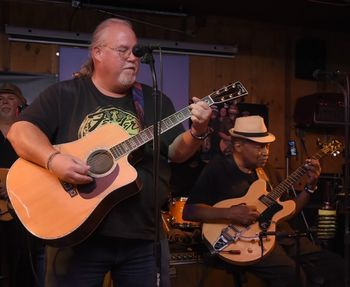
point(100, 161)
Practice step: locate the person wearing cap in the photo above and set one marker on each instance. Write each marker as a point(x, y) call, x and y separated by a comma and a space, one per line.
point(15, 257)
point(227, 177)
point(11, 99)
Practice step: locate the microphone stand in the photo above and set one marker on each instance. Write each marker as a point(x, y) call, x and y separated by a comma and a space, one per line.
point(296, 235)
point(149, 59)
point(295, 195)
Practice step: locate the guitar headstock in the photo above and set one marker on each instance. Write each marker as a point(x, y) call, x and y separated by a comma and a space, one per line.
point(334, 148)
point(227, 93)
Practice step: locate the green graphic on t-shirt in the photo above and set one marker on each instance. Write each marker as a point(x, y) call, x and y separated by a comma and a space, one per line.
point(107, 115)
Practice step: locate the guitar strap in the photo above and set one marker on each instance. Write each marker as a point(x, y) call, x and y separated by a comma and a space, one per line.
point(262, 175)
point(139, 102)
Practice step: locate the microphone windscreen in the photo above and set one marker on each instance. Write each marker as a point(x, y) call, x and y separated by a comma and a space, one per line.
point(138, 51)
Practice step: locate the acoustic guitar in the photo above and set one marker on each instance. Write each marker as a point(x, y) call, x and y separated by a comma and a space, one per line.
point(243, 245)
point(64, 214)
point(5, 215)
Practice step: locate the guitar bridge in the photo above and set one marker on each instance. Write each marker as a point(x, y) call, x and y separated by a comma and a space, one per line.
point(69, 188)
point(228, 235)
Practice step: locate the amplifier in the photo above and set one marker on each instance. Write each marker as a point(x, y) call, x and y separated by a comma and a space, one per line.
point(185, 257)
point(319, 110)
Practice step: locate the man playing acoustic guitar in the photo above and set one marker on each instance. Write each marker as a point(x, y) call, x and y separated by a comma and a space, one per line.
point(97, 119)
point(239, 224)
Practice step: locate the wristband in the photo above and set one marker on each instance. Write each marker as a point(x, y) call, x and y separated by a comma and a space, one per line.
point(309, 190)
point(48, 162)
point(202, 136)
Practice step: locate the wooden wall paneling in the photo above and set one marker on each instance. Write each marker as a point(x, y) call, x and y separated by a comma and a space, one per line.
point(4, 53)
point(227, 31)
point(202, 73)
point(232, 70)
point(208, 74)
point(268, 76)
point(33, 58)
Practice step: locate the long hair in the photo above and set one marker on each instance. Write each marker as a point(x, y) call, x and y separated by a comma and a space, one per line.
point(97, 40)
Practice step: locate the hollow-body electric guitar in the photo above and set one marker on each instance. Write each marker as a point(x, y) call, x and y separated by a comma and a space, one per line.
point(64, 214)
point(243, 245)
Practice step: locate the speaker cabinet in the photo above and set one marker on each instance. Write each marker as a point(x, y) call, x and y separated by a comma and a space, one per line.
point(310, 55)
point(319, 110)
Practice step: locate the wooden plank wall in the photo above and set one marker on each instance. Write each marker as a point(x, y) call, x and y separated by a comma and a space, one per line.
point(264, 64)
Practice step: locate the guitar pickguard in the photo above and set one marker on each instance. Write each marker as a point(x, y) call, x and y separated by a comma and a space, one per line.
point(98, 185)
point(266, 216)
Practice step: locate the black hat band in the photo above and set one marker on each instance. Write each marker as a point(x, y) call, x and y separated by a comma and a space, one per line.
point(255, 135)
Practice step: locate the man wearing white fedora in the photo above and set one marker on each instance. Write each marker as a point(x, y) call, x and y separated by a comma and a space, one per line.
point(235, 199)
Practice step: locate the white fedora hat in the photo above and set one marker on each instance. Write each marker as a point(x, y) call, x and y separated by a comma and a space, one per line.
point(252, 128)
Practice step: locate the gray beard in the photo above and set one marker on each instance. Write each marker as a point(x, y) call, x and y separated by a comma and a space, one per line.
point(126, 82)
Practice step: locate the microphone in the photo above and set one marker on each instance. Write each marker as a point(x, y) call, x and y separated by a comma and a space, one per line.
point(141, 50)
point(323, 75)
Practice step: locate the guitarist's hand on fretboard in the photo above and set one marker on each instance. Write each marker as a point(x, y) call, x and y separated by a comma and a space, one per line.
point(243, 214)
point(313, 168)
point(200, 116)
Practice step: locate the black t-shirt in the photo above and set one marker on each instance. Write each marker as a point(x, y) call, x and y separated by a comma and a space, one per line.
point(69, 110)
point(8, 155)
point(221, 179)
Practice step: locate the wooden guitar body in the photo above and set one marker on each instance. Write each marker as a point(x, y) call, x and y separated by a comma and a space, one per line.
point(62, 214)
point(246, 249)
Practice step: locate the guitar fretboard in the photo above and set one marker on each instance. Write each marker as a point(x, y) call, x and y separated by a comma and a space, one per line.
point(285, 185)
point(228, 93)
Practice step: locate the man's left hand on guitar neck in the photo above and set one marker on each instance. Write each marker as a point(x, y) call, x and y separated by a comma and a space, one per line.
point(313, 173)
point(313, 168)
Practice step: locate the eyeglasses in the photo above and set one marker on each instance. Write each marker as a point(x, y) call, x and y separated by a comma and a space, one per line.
point(123, 52)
